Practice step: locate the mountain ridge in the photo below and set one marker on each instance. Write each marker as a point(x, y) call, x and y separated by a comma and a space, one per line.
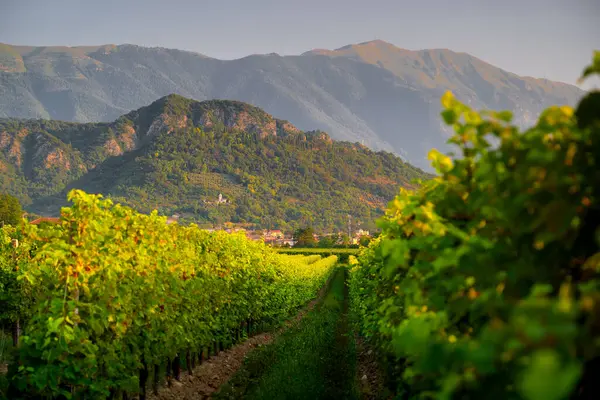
point(374, 92)
point(93, 48)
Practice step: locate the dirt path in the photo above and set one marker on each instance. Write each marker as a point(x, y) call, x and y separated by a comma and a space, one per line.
point(213, 373)
point(371, 383)
point(208, 377)
point(313, 359)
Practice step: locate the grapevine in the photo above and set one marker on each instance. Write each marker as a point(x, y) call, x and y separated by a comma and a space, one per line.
point(119, 293)
point(485, 281)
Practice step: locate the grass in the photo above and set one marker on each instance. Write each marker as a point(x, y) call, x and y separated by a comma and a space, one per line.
point(314, 359)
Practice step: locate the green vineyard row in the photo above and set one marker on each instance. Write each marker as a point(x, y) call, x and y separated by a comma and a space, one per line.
point(485, 283)
point(109, 295)
point(341, 253)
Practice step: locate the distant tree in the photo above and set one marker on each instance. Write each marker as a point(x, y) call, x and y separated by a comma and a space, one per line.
point(304, 237)
point(10, 210)
point(344, 240)
point(326, 242)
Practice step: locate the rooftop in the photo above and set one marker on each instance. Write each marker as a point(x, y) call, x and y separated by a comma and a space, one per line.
point(52, 220)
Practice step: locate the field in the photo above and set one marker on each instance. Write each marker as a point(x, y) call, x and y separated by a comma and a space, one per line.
point(485, 283)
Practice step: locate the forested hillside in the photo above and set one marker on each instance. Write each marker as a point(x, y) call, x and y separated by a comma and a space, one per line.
point(177, 155)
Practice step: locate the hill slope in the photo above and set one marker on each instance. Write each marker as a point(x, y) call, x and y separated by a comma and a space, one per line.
point(374, 92)
point(178, 155)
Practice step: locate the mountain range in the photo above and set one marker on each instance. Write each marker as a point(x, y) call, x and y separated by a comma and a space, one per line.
point(210, 162)
point(374, 93)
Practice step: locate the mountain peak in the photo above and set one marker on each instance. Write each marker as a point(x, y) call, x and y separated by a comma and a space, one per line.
point(349, 49)
point(370, 43)
point(174, 111)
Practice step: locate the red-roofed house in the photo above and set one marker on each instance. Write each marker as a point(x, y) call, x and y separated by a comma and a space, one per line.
point(274, 234)
point(51, 220)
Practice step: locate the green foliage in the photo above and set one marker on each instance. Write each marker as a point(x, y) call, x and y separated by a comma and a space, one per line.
point(485, 282)
point(16, 296)
point(344, 240)
point(10, 210)
point(282, 182)
point(340, 252)
point(326, 242)
point(593, 68)
point(364, 241)
point(304, 237)
point(115, 289)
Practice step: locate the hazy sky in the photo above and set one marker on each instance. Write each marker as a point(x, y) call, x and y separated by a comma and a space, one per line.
point(542, 38)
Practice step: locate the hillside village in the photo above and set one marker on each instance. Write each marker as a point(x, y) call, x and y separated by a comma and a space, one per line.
point(277, 238)
point(273, 237)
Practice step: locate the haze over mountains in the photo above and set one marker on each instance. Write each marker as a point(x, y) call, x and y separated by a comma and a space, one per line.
point(374, 93)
